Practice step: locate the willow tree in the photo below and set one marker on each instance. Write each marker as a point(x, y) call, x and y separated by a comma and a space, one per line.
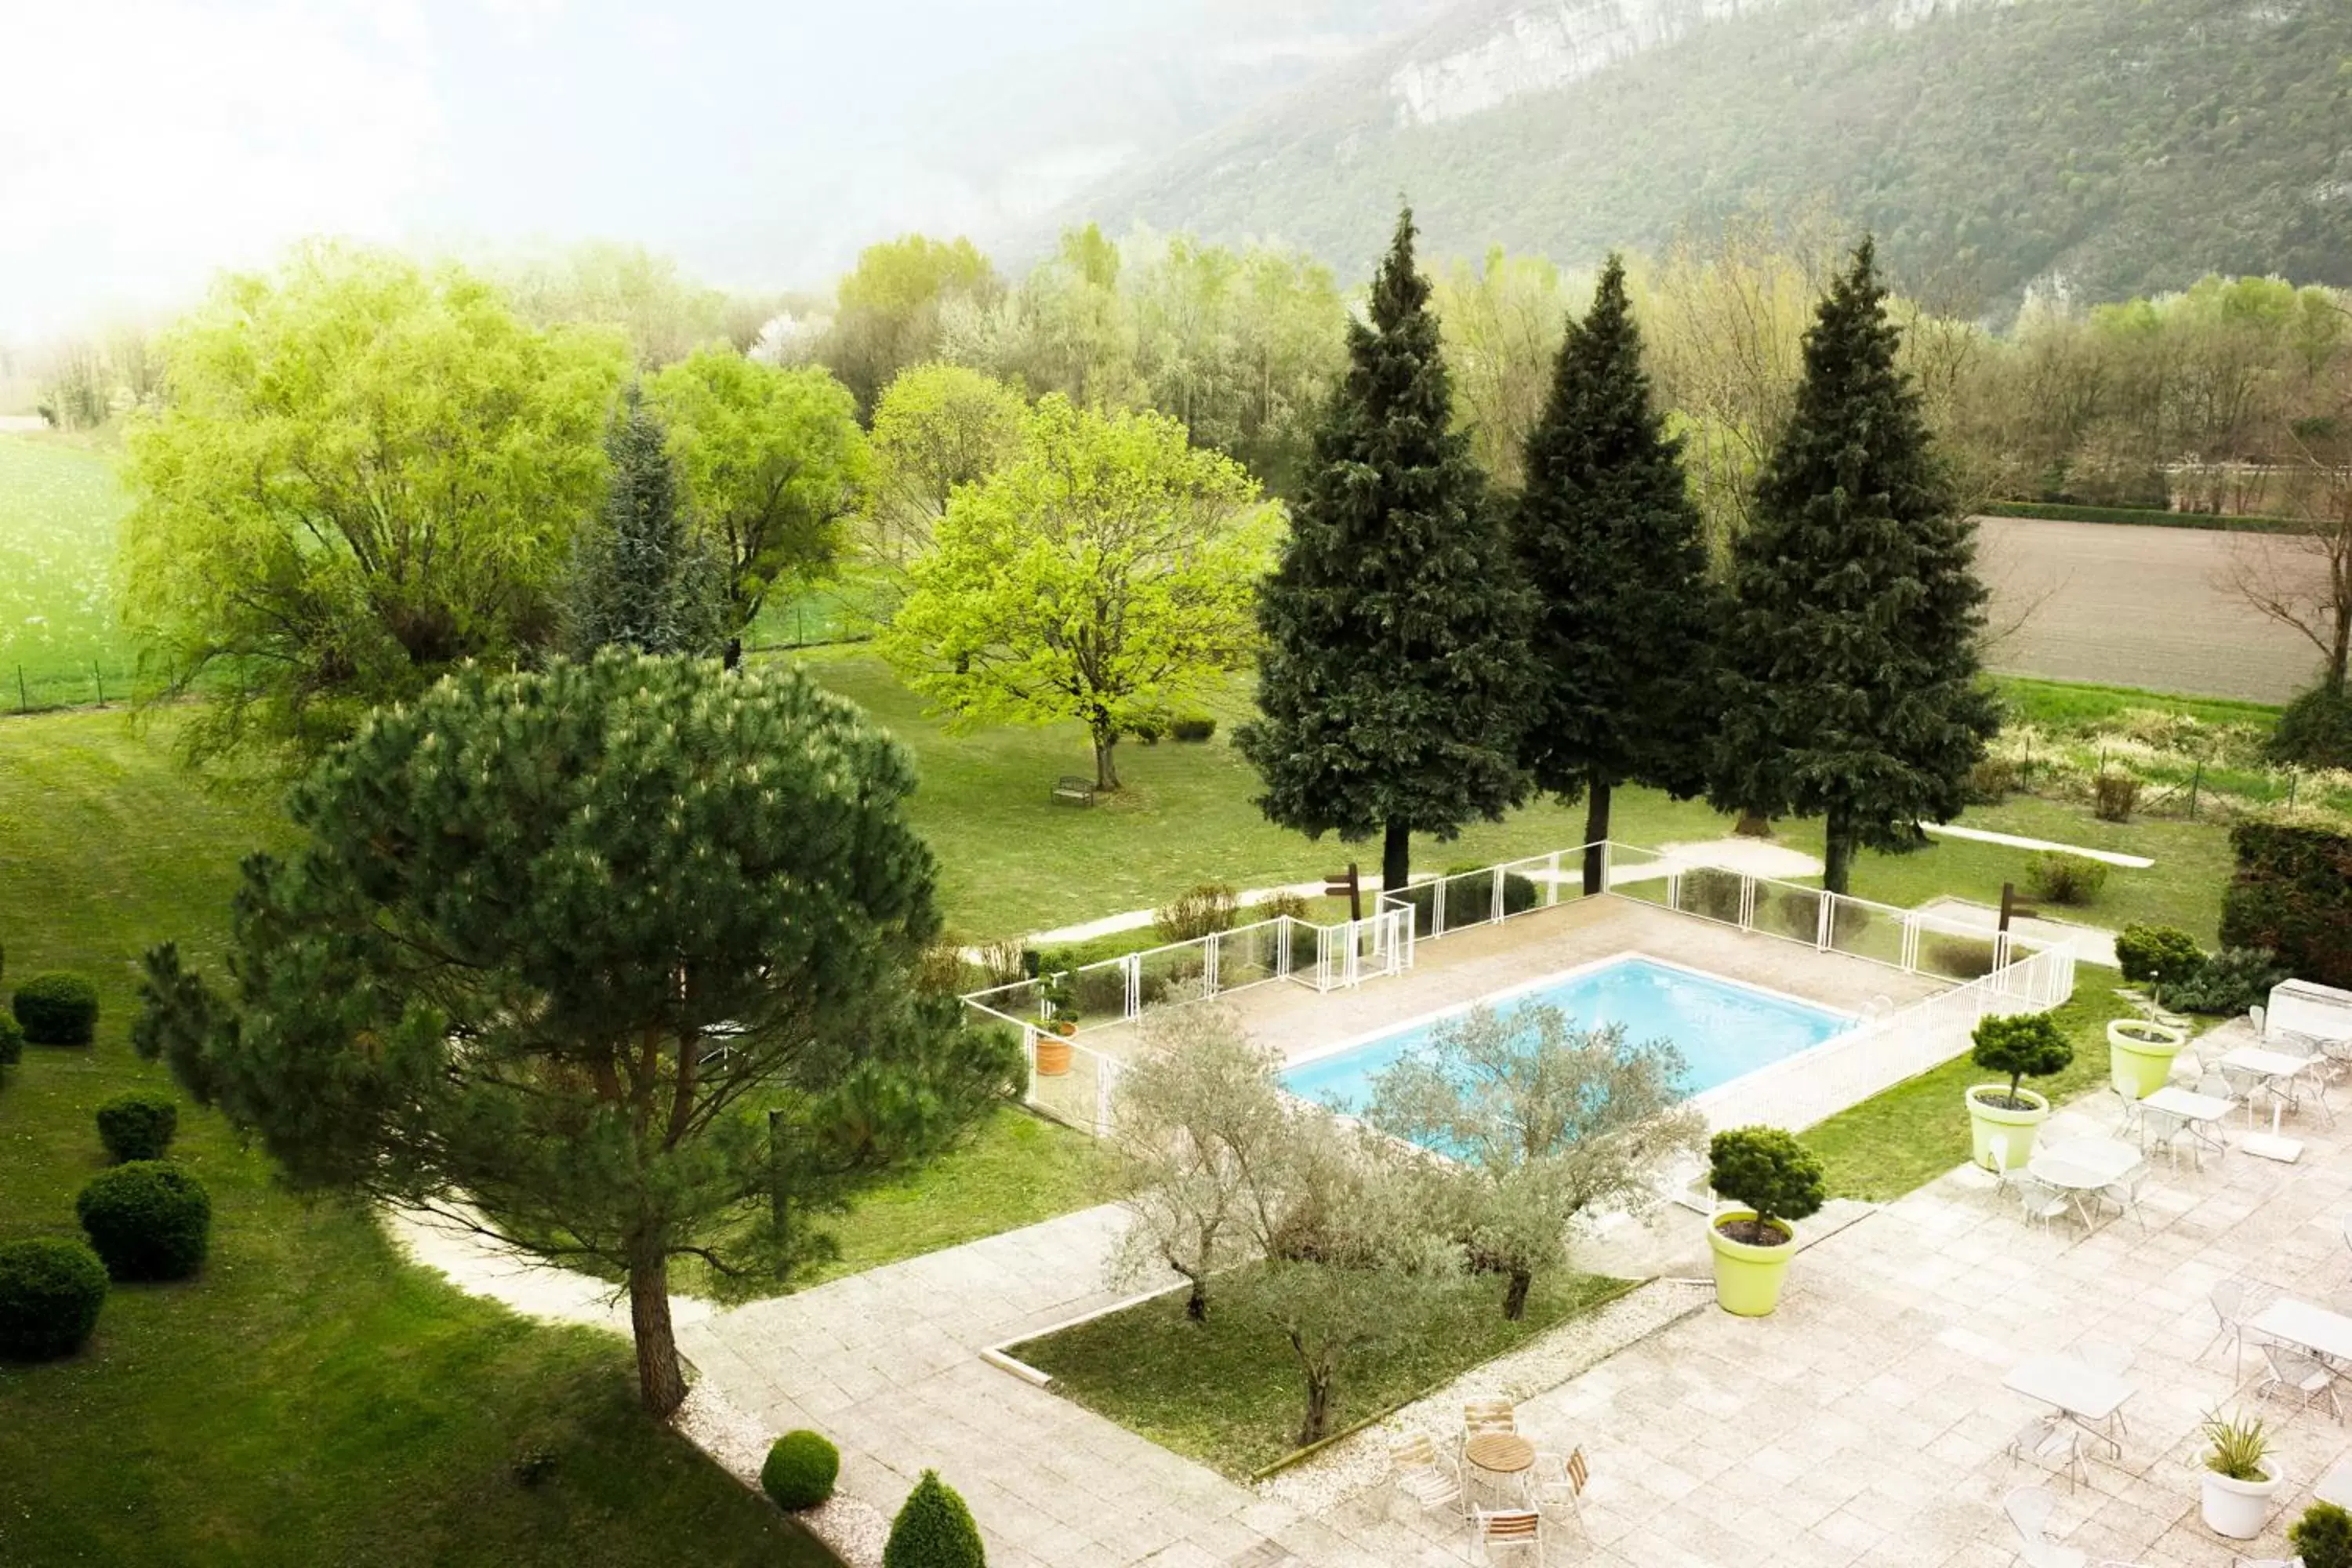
point(1850, 687)
point(612, 961)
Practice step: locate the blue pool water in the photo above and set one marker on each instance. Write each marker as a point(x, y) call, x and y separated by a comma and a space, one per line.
point(1723, 1029)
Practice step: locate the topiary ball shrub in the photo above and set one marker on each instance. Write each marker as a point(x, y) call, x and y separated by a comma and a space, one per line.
point(51, 1291)
point(147, 1220)
point(934, 1530)
point(2023, 1045)
point(800, 1469)
point(2322, 1537)
point(1193, 728)
point(138, 1124)
point(57, 1010)
point(12, 1040)
point(1766, 1170)
point(2055, 877)
point(2162, 956)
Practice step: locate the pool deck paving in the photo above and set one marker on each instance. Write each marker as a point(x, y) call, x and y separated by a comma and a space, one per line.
point(1864, 1423)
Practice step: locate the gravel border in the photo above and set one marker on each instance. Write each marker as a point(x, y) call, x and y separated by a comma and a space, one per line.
point(854, 1532)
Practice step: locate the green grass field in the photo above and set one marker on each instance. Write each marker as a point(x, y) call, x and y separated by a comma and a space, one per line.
point(2065, 705)
point(309, 1398)
point(60, 504)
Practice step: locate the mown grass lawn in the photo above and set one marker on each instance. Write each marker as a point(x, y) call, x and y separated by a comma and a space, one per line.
point(1228, 1392)
point(310, 1398)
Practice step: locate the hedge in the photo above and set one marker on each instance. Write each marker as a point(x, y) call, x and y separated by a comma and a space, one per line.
point(138, 1124)
point(2293, 893)
point(12, 1040)
point(800, 1470)
point(57, 1010)
point(50, 1292)
point(934, 1530)
point(2144, 517)
point(1468, 902)
point(147, 1220)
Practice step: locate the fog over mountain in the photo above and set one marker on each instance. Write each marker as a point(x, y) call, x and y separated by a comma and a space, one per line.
point(148, 141)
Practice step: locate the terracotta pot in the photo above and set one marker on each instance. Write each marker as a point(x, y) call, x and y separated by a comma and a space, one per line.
point(1052, 1055)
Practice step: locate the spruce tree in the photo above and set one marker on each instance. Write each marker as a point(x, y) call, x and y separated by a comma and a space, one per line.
point(1612, 545)
point(1850, 680)
point(1393, 682)
point(642, 577)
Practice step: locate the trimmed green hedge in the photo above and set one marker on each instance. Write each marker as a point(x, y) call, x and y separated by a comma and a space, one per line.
point(57, 1010)
point(934, 1530)
point(2293, 894)
point(50, 1293)
point(147, 1220)
point(2143, 517)
point(800, 1470)
point(138, 1124)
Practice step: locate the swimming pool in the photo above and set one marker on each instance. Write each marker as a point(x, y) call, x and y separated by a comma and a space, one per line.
point(1723, 1028)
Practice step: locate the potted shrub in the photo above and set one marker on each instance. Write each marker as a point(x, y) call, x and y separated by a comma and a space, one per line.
point(2157, 956)
point(2322, 1537)
point(1771, 1180)
point(2140, 1053)
point(2023, 1045)
point(2239, 1480)
point(1053, 1046)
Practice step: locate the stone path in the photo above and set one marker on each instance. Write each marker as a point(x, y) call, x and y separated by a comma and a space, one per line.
point(2091, 945)
point(2012, 841)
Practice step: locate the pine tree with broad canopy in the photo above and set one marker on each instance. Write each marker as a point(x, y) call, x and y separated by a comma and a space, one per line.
point(1392, 684)
point(1610, 540)
point(1851, 686)
point(603, 961)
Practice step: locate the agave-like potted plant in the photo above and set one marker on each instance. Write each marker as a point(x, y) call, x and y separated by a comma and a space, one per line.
point(1772, 1181)
point(2023, 1045)
point(2239, 1480)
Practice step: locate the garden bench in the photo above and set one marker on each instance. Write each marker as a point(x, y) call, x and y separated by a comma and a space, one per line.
point(1072, 790)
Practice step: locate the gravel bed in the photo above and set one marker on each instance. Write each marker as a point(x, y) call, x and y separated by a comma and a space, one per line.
point(854, 1530)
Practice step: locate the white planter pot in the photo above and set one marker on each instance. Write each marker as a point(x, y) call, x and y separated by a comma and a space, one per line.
point(2238, 1509)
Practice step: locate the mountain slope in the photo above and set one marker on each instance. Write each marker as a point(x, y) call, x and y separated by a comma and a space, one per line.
point(2119, 145)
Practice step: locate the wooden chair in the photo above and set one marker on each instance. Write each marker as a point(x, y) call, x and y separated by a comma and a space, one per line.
point(1416, 1472)
point(1562, 1480)
point(1510, 1530)
point(1488, 1415)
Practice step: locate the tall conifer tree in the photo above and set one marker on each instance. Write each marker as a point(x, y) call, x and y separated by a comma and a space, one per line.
point(1612, 545)
point(642, 577)
point(1393, 682)
point(1851, 684)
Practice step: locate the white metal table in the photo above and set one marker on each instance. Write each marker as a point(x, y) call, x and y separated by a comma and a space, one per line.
point(2085, 1394)
point(2315, 1328)
point(2281, 1067)
point(2202, 1112)
point(2082, 1168)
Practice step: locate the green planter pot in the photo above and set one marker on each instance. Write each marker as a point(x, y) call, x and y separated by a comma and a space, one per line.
point(1993, 1124)
point(1747, 1277)
point(2140, 1055)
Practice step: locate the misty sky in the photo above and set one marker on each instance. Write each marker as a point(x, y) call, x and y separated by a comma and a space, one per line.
point(142, 143)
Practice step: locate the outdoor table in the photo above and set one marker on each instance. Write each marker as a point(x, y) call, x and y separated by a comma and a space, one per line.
point(2315, 1328)
point(2079, 1392)
point(2274, 1065)
point(1504, 1455)
point(2202, 1112)
point(2081, 1183)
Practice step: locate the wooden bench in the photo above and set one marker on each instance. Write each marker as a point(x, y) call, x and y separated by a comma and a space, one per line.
point(1072, 790)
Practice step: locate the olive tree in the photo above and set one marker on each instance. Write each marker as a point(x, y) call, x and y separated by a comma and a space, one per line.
point(608, 961)
point(1546, 1122)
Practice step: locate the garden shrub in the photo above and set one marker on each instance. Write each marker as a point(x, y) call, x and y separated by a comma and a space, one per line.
point(1991, 781)
point(2314, 731)
point(2054, 876)
point(1197, 912)
point(2227, 983)
point(12, 1040)
point(2112, 796)
point(800, 1471)
point(2156, 954)
point(57, 1010)
point(138, 1124)
point(146, 1220)
point(1712, 891)
point(50, 1292)
point(2321, 1538)
point(1956, 957)
point(1468, 902)
point(934, 1530)
point(2292, 893)
point(1193, 727)
point(1766, 1170)
point(2021, 1046)
point(1797, 911)
point(1278, 904)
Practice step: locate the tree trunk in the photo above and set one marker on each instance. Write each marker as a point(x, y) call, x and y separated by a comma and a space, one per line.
point(1837, 858)
point(1396, 856)
point(1319, 1408)
point(1596, 830)
point(1514, 1299)
point(661, 1381)
point(1753, 825)
point(1196, 1305)
point(1106, 766)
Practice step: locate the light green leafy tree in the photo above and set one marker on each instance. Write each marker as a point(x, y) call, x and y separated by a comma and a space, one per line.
point(366, 472)
point(1105, 575)
point(773, 464)
point(936, 427)
point(888, 307)
point(1546, 1122)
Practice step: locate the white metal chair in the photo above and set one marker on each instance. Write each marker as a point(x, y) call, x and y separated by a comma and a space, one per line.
point(2029, 1509)
point(1514, 1530)
point(2040, 1202)
point(2048, 1436)
point(2231, 1312)
point(2125, 1195)
point(2129, 1112)
point(2300, 1372)
point(2160, 1133)
point(1416, 1471)
point(1561, 1479)
point(2114, 1360)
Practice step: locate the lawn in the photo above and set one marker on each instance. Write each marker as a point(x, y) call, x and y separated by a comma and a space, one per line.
point(1228, 1392)
point(309, 1398)
point(1918, 1130)
point(60, 640)
point(2077, 706)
